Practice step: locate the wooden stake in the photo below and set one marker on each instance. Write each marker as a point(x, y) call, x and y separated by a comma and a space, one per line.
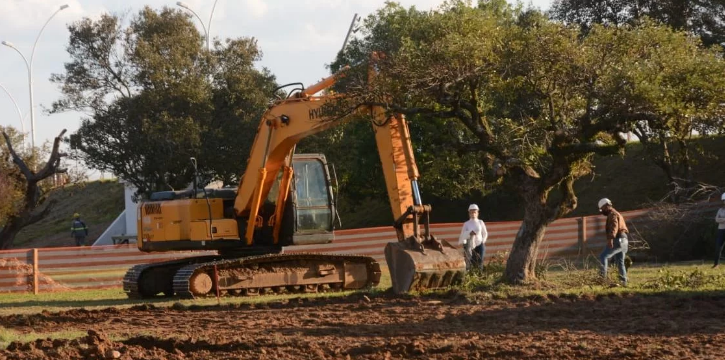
point(216, 280)
point(36, 286)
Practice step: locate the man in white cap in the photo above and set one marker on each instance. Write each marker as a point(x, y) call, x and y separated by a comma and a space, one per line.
point(617, 241)
point(720, 220)
point(473, 238)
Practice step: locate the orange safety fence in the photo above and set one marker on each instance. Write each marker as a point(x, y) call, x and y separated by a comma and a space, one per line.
point(71, 268)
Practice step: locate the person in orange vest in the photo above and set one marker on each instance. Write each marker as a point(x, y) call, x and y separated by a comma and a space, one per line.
point(78, 230)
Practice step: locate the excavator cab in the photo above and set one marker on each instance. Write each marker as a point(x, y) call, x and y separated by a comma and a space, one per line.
point(313, 195)
point(308, 209)
point(312, 200)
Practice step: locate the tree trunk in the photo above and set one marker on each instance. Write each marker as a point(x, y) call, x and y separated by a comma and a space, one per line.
point(539, 212)
point(521, 264)
point(685, 164)
point(17, 222)
point(8, 233)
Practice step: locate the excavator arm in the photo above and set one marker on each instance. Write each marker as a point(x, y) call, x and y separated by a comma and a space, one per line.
point(416, 261)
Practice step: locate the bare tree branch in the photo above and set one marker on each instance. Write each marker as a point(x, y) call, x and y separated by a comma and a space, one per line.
point(32, 199)
point(52, 165)
point(16, 159)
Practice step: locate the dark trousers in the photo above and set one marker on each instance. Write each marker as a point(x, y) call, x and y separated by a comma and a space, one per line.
point(477, 258)
point(474, 257)
point(80, 240)
point(720, 244)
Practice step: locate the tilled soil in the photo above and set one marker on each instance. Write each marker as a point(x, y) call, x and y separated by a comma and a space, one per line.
point(386, 327)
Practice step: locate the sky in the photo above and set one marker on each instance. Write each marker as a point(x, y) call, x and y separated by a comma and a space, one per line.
point(297, 38)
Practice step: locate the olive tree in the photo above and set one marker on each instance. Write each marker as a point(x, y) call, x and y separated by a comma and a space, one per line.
point(534, 99)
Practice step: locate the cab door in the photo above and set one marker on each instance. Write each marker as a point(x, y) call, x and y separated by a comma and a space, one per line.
point(313, 202)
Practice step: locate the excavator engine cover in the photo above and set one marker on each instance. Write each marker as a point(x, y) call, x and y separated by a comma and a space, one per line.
point(413, 269)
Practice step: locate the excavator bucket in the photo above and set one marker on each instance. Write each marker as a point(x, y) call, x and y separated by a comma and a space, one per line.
point(413, 269)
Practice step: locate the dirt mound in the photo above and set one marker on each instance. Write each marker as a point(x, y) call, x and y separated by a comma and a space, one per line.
point(382, 327)
point(95, 345)
point(24, 275)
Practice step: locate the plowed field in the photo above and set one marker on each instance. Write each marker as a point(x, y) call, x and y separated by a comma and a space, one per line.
point(357, 327)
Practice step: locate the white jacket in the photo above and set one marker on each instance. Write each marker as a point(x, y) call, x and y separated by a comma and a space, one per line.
point(476, 226)
point(720, 218)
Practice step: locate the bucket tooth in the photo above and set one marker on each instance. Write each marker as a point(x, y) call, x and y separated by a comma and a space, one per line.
point(413, 269)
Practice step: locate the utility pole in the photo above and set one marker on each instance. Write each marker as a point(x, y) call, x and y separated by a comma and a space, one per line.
point(29, 65)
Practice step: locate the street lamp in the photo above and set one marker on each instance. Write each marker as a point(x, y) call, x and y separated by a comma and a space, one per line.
point(29, 65)
point(20, 115)
point(206, 30)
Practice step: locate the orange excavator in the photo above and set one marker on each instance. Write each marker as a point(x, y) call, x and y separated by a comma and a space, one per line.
point(286, 199)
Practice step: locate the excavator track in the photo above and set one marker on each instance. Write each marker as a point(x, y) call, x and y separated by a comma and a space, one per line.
point(148, 280)
point(305, 272)
point(253, 275)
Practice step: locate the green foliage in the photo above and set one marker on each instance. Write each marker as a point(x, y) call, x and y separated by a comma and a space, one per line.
point(489, 278)
point(657, 78)
point(476, 83)
point(700, 17)
point(679, 280)
point(351, 148)
point(659, 73)
point(156, 97)
point(240, 94)
point(531, 93)
point(584, 273)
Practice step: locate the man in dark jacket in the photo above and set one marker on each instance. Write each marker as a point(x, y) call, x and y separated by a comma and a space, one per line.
point(617, 241)
point(78, 230)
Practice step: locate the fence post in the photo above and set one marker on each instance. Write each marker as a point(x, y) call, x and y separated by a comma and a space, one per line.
point(36, 286)
point(582, 234)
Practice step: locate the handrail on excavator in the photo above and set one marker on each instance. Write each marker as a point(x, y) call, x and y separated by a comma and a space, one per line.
point(324, 83)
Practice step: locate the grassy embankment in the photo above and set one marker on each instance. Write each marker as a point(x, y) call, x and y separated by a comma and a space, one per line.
point(98, 202)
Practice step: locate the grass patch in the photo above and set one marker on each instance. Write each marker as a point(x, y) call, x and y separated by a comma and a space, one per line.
point(698, 278)
point(560, 279)
point(582, 279)
point(8, 335)
point(97, 299)
point(24, 303)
